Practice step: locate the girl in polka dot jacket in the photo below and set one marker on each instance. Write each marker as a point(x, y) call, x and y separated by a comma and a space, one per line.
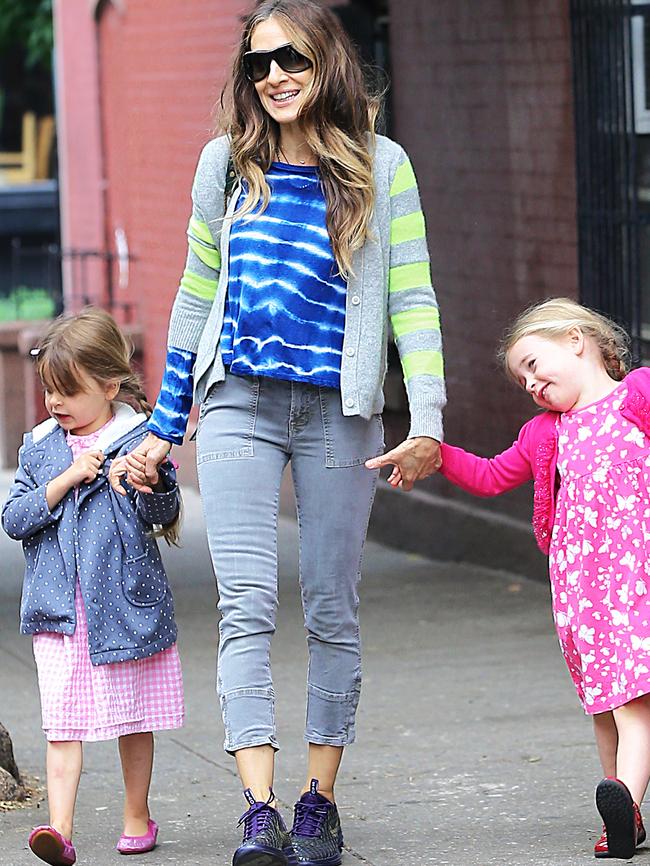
point(95, 595)
point(589, 456)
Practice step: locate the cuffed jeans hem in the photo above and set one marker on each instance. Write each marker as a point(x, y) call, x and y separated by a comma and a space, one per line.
point(231, 748)
point(320, 740)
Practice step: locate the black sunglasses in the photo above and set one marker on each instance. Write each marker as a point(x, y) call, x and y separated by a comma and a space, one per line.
point(257, 64)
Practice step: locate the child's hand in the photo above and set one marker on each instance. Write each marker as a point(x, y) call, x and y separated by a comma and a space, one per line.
point(116, 473)
point(86, 467)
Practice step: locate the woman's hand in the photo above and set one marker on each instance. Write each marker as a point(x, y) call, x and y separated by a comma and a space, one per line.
point(142, 463)
point(411, 460)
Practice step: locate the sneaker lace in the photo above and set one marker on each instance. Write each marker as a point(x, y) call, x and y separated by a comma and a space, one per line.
point(308, 819)
point(257, 819)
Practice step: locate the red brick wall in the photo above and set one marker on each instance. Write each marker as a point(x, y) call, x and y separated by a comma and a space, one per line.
point(482, 100)
point(81, 187)
point(163, 64)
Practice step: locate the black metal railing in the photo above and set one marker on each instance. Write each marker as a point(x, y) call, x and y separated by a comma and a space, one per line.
point(610, 215)
point(91, 278)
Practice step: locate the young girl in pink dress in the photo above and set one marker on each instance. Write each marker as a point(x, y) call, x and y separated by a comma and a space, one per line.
point(95, 595)
point(589, 455)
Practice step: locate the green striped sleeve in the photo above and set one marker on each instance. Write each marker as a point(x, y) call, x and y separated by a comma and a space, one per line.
point(202, 243)
point(198, 286)
point(200, 231)
point(410, 276)
point(418, 319)
point(404, 178)
point(209, 257)
point(407, 228)
point(422, 363)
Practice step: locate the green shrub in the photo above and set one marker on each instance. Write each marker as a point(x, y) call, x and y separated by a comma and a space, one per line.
point(25, 303)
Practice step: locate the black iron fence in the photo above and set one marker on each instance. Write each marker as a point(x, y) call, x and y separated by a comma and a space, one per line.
point(611, 155)
point(36, 285)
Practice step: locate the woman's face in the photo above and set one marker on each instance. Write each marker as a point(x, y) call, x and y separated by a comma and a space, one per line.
point(281, 93)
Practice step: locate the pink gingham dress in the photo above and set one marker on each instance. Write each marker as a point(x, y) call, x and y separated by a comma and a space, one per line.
point(81, 701)
point(599, 559)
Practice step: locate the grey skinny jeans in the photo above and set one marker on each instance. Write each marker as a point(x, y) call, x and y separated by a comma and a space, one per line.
point(249, 428)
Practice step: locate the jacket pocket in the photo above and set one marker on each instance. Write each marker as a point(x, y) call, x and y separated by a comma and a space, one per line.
point(144, 582)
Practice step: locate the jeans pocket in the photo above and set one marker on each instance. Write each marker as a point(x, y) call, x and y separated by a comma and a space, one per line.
point(350, 440)
point(227, 420)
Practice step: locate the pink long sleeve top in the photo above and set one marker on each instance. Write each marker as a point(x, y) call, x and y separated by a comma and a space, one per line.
point(533, 455)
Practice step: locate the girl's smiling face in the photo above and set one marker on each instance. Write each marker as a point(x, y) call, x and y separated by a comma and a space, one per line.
point(281, 93)
point(549, 369)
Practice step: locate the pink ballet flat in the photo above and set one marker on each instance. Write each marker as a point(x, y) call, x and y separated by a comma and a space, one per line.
point(139, 844)
point(48, 844)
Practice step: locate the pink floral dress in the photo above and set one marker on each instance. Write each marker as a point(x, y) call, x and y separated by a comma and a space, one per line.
point(599, 559)
point(82, 701)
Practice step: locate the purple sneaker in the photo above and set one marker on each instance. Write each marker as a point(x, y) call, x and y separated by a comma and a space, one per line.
point(316, 833)
point(266, 839)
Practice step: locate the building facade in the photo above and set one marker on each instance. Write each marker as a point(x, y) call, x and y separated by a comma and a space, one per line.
point(482, 97)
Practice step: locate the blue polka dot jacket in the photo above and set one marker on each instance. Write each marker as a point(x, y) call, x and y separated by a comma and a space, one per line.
point(101, 537)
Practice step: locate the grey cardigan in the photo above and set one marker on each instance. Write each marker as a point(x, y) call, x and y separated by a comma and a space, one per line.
point(390, 283)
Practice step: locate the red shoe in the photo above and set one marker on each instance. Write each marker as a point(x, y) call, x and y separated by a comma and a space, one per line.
point(600, 848)
point(139, 844)
point(53, 848)
point(623, 826)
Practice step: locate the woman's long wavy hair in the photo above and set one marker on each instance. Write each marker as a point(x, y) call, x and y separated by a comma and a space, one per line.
point(338, 119)
point(90, 342)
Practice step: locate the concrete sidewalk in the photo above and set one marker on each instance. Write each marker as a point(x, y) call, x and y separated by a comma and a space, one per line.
point(472, 749)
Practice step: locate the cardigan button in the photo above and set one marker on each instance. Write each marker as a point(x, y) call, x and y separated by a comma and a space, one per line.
point(356, 300)
point(349, 402)
point(350, 352)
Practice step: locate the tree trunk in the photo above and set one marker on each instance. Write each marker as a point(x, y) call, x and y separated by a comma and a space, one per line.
point(11, 784)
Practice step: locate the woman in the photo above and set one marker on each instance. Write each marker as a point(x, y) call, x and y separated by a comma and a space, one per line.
point(280, 329)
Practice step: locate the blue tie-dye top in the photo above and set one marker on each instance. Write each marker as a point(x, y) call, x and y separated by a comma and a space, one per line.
point(285, 311)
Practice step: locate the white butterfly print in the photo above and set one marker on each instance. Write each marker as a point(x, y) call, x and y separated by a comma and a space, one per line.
point(572, 578)
point(639, 643)
point(629, 559)
point(620, 618)
point(636, 436)
point(607, 425)
point(626, 503)
point(640, 588)
point(587, 634)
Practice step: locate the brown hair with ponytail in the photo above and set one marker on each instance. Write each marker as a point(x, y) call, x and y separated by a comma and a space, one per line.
point(91, 342)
